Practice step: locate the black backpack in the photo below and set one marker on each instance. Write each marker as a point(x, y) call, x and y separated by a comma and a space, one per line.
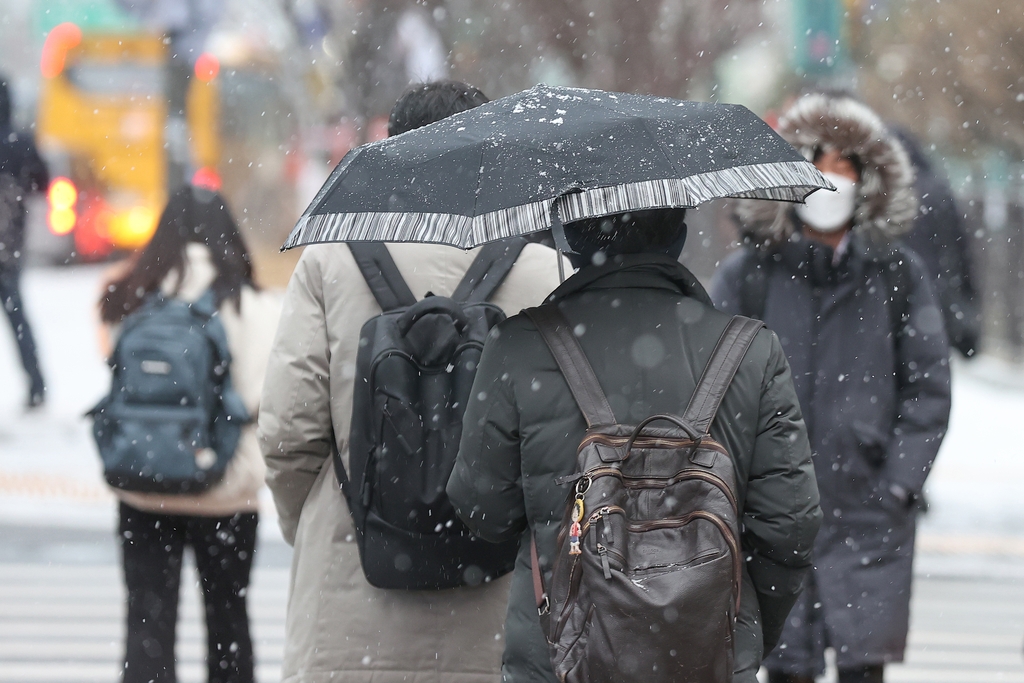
point(172, 420)
point(414, 373)
point(648, 567)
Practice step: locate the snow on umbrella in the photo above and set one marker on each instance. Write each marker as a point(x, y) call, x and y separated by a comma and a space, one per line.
point(549, 155)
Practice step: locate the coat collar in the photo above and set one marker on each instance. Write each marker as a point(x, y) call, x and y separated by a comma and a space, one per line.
point(650, 271)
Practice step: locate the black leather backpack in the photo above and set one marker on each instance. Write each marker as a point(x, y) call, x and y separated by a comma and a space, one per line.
point(646, 578)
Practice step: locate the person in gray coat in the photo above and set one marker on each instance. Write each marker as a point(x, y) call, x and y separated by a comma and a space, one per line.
point(941, 237)
point(863, 332)
point(648, 328)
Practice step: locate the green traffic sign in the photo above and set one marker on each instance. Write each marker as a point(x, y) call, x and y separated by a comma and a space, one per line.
point(818, 31)
point(88, 15)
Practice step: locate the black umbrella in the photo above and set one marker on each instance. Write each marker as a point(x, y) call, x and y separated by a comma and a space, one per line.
point(496, 171)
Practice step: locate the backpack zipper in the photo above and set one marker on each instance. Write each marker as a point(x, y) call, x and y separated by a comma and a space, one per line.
point(603, 552)
point(670, 523)
point(664, 482)
point(622, 560)
point(650, 442)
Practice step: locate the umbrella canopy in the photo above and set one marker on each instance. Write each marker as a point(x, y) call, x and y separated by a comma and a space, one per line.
point(504, 168)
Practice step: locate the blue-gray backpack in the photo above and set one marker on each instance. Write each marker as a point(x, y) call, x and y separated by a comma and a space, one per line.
point(414, 372)
point(172, 419)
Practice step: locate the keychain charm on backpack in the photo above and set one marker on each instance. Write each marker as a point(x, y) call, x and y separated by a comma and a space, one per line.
point(574, 530)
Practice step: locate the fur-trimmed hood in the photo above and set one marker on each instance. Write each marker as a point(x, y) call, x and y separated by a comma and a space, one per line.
point(887, 202)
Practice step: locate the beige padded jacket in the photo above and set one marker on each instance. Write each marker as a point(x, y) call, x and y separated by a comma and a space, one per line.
point(339, 628)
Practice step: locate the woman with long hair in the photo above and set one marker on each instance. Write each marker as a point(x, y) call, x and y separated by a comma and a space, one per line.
point(196, 248)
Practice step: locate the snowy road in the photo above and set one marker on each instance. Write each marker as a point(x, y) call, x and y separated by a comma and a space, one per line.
point(968, 609)
point(62, 602)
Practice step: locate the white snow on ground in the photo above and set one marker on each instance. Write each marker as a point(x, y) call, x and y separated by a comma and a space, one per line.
point(50, 475)
point(976, 486)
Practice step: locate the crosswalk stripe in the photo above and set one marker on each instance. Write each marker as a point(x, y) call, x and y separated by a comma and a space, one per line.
point(63, 623)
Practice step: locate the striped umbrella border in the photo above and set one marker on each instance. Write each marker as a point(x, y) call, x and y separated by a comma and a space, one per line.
point(783, 181)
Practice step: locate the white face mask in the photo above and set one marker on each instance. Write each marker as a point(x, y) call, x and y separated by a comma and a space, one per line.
point(829, 211)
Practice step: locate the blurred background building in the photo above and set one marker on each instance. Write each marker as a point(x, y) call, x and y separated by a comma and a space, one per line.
point(263, 97)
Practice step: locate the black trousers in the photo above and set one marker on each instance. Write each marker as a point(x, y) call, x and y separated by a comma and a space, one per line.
point(10, 298)
point(866, 674)
point(152, 546)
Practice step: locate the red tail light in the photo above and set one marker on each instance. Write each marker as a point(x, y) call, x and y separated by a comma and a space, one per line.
point(207, 67)
point(207, 178)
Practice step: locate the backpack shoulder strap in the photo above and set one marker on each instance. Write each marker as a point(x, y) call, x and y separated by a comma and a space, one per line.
point(382, 275)
point(718, 373)
point(752, 283)
point(488, 270)
point(568, 353)
point(206, 308)
point(206, 305)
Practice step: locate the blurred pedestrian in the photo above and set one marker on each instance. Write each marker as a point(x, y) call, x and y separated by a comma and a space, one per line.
point(648, 329)
point(339, 627)
point(862, 329)
point(22, 172)
point(940, 238)
point(196, 248)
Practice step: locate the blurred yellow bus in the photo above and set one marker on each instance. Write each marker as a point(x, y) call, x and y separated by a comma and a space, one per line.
point(101, 126)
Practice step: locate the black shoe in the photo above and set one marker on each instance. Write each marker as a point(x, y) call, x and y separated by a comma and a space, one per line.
point(779, 677)
point(866, 674)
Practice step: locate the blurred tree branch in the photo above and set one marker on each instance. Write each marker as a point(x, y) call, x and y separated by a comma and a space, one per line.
point(665, 47)
point(952, 70)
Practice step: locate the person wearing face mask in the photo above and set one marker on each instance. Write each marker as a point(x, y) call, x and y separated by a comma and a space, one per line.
point(864, 335)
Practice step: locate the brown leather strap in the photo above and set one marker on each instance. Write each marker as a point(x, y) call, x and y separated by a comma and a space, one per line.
point(538, 581)
point(573, 363)
point(718, 373)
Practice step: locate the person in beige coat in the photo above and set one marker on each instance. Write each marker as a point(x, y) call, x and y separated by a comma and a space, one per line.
point(196, 248)
point(339, 628)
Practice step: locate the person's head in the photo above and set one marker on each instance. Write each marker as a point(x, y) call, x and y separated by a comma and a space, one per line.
point(192, 215)
point(430, 102)
point(827, 216)
point(854, 150)
point(5, 103)
point(651, 231)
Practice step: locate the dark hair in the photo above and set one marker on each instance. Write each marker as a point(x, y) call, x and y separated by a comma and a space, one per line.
point(636, 232)
point(429, 102)
point(192, 215)
point(858, 163)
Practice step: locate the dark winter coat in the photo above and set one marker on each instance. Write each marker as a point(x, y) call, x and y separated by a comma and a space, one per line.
point(876, 403)
point(939, 237)
point(648, 329)
point(21, 173)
